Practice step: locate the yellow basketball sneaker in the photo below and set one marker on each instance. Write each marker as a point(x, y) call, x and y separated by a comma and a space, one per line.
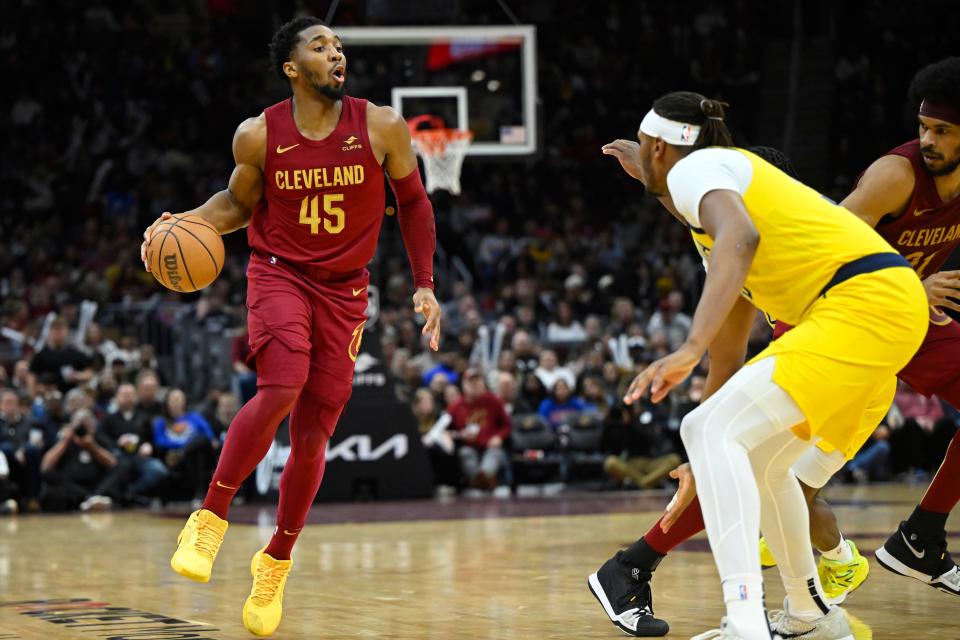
point(198, 544)
point(839, 579)
point(264, 606)
point(767, 561)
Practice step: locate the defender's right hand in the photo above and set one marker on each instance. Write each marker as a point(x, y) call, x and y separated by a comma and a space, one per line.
point(943, 289)
point(627, 152)
point(166, 215)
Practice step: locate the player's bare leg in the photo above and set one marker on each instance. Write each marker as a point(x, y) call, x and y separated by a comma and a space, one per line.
point(842, 569)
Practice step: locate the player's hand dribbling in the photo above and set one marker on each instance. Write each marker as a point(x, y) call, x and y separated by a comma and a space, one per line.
point(663, 375)
point(943, 289)
point(685, 494)
point(425, 302)
point(166, 215)
point(627, 152)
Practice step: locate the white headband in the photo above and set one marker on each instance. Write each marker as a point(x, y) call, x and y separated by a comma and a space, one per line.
point(672, 132)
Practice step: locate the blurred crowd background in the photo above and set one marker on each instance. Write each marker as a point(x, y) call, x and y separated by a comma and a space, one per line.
point(560, 279)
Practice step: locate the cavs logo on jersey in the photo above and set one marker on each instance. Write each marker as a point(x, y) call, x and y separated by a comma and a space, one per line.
point(353, 350)
point(351, 144)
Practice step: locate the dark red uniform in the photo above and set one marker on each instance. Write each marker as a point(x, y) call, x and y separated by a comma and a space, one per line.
point(929, 229)
point(312, 237)
point(926, 233)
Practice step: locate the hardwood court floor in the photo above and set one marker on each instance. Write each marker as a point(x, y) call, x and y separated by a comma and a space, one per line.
point(498, 569)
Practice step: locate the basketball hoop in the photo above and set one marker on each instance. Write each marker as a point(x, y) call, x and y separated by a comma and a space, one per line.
point(442, 150)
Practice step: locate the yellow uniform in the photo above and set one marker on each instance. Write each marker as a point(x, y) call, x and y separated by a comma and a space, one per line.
point(859, 310)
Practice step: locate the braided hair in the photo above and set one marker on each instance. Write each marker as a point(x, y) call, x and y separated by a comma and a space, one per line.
point(693, 108)
point(777, 158)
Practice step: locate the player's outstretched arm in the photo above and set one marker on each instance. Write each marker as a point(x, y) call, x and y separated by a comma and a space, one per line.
point(725, 219)
point(884, 189)
point(231, 209)
point(414, 212)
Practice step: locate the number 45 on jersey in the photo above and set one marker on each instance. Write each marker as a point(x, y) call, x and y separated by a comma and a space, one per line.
point(333, 218)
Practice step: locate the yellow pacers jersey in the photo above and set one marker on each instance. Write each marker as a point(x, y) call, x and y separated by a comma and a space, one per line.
point(804, 239)
point(841, 358)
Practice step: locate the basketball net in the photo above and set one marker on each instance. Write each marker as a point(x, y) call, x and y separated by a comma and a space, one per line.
point(442, 150)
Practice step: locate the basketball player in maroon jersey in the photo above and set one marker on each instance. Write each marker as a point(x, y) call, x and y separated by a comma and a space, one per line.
point(911, 196)
point(309, 185)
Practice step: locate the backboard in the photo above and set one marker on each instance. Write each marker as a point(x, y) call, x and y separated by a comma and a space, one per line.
point(482, 78)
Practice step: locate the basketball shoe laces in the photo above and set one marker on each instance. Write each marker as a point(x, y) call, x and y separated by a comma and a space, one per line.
point(266, 583)
point(782, 621)
point(842, 579)
point(640, 596)
point(209, 539)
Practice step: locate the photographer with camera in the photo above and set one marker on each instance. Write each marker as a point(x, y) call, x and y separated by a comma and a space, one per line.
point(80, 470)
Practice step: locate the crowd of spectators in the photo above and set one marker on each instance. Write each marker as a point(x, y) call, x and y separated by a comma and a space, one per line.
point(76, 432)
point(574, 280)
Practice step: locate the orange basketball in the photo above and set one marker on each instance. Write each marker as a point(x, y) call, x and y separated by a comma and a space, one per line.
point(185, 253)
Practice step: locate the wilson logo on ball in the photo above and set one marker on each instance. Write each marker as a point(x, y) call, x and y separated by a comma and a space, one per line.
point(173, 271)
point(185, 253)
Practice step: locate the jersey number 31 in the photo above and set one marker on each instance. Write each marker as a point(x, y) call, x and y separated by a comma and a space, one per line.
point(334, 217)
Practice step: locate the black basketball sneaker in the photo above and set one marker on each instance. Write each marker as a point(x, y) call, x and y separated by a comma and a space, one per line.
point(624, 593)
point(925, 560)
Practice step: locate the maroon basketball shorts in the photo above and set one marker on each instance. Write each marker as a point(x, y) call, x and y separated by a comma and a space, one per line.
point(305, 329)
point(935, 368)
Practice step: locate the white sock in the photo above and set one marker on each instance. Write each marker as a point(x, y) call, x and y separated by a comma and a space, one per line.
point(841, 553)
point(804, 597)
point(745, 612)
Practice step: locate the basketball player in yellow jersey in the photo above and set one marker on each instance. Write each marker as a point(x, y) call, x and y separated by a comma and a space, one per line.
point(772, 242)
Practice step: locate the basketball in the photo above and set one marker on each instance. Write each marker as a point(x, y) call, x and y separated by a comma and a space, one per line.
point(185, 253)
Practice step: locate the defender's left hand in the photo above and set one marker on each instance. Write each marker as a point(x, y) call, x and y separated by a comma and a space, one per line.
point(425, 302)
point(663, 375)
point(685, 494)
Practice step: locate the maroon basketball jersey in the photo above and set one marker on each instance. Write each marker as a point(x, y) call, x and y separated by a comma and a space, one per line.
point(323, 200)
point(927, 232)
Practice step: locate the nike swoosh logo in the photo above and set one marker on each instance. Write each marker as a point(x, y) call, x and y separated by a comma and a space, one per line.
point(220, 484)
point(357, 292)
point(285, 149)
point(912, 550)
point(920, 212)
point(289, 533)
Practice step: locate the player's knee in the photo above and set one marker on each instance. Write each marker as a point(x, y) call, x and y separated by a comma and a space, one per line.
point(279, 397)
point(692, 431)
point(316, 421)
point(312, 445)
